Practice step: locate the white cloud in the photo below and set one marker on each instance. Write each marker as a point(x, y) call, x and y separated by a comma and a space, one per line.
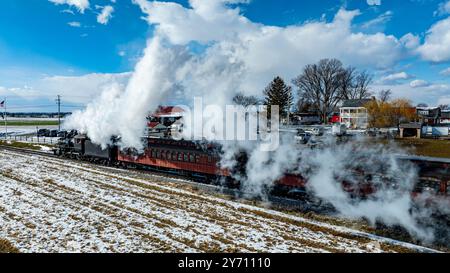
point(25, 92)
point(374, 2)
point(436, 47)
point(74, 24)
point(68, 11)
point(410, 41)
point(206, 22)
point(419, 83)
point(265, 51)
point(395, 77)
point(431, 94)
point(74, 89)
point(444, 9)
point(445, 100)
point(88, 86)
point(105, 15)
point(381, 20)
point(81, 5)
point(445, 72)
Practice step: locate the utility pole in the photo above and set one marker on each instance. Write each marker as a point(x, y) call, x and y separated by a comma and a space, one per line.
point(6, 119)
point(58, 101)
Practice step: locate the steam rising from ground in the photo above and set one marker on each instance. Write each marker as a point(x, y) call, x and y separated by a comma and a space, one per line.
point(326, 169)
point(352, 163)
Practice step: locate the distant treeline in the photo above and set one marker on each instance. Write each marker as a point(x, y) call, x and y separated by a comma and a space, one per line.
point(36, 115)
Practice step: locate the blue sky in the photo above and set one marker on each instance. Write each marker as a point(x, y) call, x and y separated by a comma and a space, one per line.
point(40, 40)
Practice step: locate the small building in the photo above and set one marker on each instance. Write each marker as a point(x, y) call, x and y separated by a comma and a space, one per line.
point(412, 130)
point(354, 114)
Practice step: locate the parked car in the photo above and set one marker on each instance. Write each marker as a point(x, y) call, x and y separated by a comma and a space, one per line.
point(43, 133)
point(53, 133)
point(302, 136)
point(315, 131)
point(62, 134)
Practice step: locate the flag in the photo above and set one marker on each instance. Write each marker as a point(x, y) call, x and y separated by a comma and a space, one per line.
point(2, 104)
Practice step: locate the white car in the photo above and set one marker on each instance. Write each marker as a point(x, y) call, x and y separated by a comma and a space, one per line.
point(315, 131)
point(302, 137)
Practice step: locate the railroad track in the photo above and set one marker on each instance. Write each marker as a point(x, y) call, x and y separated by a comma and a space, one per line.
point(274, 201)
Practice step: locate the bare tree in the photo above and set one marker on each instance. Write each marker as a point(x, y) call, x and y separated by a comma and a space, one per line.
point(347, 82)
point(321, 84)
point(385, 95)
point(246, 101)
point(355, 85)
point(304, 105)
point(361, 84)
point(444, 107)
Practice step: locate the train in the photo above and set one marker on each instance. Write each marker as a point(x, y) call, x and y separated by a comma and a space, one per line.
point(201, 161)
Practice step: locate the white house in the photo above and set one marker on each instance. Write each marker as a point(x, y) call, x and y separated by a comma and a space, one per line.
point(354, 114)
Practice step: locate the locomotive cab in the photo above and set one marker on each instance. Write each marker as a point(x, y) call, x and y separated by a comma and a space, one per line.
point(78, 144)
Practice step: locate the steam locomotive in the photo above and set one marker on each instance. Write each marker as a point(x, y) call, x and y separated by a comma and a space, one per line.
point(201, 161)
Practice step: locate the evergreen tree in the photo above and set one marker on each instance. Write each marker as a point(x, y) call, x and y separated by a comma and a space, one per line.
point(278, 93)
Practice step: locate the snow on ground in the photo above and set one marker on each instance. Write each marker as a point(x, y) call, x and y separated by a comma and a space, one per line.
point(52, 205)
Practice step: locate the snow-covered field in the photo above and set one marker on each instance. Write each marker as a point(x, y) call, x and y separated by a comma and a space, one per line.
point(24, 130)
point(52, 205)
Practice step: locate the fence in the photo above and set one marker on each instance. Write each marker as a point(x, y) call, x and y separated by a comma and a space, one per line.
point(31, 139)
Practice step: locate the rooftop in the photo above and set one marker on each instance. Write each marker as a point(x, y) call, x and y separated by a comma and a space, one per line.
point(412, 125)
point(355, 103)
point(168, 111)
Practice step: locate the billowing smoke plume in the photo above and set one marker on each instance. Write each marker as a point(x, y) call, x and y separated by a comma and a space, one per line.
point(122, 111)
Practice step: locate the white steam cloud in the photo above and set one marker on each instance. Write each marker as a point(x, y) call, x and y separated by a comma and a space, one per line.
point(329, 167)
point(122, 111)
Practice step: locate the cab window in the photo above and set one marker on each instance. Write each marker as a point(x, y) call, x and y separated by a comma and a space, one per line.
point(428, 185)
